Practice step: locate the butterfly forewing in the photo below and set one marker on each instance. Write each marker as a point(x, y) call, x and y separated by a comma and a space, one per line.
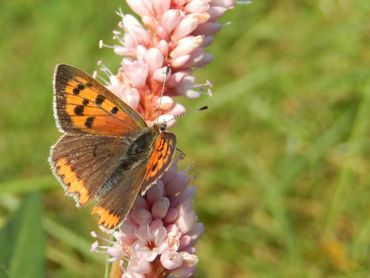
point(83, 105)
point(161, 157)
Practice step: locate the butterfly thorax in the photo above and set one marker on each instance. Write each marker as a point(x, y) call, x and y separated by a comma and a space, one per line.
point(141, 142)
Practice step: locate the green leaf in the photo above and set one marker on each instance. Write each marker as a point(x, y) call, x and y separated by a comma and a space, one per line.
point(22, 241)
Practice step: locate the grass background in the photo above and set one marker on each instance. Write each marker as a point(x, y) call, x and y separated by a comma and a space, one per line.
point(281, 157)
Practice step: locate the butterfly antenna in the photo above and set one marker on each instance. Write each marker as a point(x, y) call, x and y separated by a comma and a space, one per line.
point(163, 86)
point(205, 107)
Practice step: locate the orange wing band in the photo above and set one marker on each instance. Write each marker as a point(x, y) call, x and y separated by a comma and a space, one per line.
point(73, 184)
point(107, 219)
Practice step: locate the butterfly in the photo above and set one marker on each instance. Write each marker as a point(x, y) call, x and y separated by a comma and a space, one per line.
point(107, 152)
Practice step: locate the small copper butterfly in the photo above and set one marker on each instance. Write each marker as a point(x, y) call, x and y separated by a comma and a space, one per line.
point(107, 151)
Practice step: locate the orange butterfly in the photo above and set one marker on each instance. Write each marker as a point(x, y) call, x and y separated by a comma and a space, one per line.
point(107, 150)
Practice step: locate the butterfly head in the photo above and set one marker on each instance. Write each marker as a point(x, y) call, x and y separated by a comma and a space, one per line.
point(160, 127)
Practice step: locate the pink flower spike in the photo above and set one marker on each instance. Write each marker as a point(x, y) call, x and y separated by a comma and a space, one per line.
point(160, 53)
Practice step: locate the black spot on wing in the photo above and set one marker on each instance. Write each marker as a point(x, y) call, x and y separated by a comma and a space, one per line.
point(85, 102)
point(89, 122)
point(100, 99)
point(114, 110)
point(80, 87)
point(79, 110)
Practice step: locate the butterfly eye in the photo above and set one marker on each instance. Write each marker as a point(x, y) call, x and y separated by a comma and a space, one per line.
point(163, 127)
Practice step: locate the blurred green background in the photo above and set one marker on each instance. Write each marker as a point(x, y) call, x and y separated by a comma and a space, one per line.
point(281, 157)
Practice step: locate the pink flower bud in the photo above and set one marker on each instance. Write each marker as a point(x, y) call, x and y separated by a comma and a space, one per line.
point(187, 25)
point(160, 6)
point(171, 19)
point(186, 46)
point(185, 241)
point(224, 3)
point(137, 73)
point(180, 61)
point(207, 40)
point(185, 84)
point(139, 7)
point(183, 272)
point(159, 208)
point(165, 102)
point(160, 74)
point(155, 193)
point(154, 59)
point(197, 6)
point(215, 12)
point(171, 260)
point(141, 216)
point(135, 29)
point(209, 28)
point(171, 215)
point(161, 32)
point(163, 47)
point(177, 109)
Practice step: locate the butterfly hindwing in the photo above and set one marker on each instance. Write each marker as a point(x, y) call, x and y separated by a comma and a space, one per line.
point(83, 105)
point(117, 202)
point(83, 162)
point(160, 159)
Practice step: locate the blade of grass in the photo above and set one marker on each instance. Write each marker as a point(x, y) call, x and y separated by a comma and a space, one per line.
point(68, 237)
point(27, 185)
